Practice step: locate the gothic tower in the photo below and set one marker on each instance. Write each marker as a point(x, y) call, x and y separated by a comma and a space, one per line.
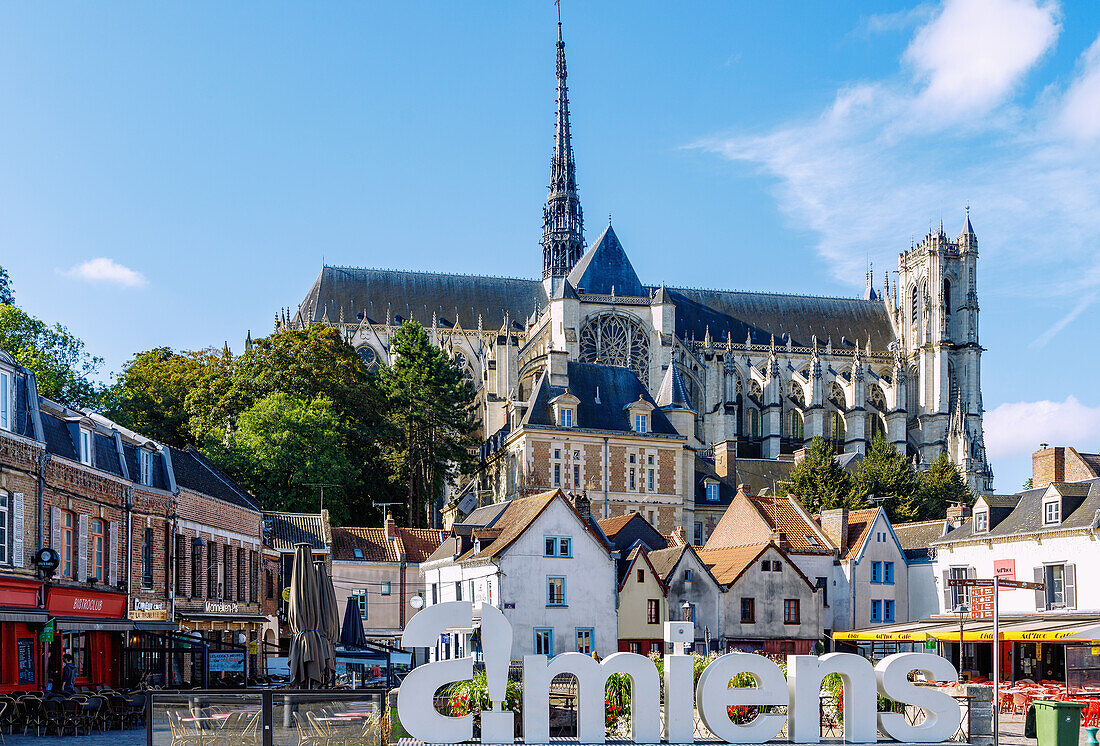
point(936, 320)
point(562, 220)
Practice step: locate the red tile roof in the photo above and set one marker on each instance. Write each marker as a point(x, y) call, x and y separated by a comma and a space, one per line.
point(416, 543)
point(859, 528)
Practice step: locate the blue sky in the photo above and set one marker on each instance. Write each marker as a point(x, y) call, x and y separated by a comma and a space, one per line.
point(174, 173)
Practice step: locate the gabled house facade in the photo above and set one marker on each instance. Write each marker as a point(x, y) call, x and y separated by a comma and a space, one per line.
point(917, 540)
point(643, 604)
point(544, 562)
point(694, 594)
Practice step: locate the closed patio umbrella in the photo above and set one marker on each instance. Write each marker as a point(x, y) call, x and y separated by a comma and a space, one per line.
point(304, 615)
point(329, 620)
point(351, 632)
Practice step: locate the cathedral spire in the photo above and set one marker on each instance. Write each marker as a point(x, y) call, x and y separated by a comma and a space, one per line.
point(562, 220)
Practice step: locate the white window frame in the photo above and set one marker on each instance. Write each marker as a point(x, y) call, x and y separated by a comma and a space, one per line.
point(566, 417)
point(85, 443)
point(981, 522)
point(386, 588)
point(7, 397)
point(640, 423)
point(360, 596)
point(1052, 517)
point(146, 467)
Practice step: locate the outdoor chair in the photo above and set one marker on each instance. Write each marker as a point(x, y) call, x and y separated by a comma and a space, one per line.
point(72, 715)
point(93, 713)
point(32, 714)
point(135, 712)
point(9, 715)
point(119, 707)
point(183, 734)
point(306, 736)
point(52, 717)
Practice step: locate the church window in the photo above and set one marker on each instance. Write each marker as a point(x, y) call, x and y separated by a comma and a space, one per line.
point(754, 392)
point(798, 396)
point(947, 300)
point(836, 427)
point(875, 426)
point(876, 398)
point(914, 312)
point(754, 423)
point(617, 340)
point(796, 428)
point(369, 357)
point(836, 396)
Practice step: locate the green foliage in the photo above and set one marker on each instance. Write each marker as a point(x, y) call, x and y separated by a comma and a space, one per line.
point(430, 412)
point(150, 394)
point(885, 472)
point(940, 485)
point(281, 446)
point(62, 369)
point(1027, 485)
point(472, 696)
point(7, 295)
point(820, 482)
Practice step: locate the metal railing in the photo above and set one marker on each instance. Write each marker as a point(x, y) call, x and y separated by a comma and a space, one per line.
point(268, 717)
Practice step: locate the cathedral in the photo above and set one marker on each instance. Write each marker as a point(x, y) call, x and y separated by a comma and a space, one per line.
point(645, 396)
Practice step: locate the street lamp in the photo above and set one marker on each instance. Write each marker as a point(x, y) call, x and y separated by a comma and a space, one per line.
point(962, 610)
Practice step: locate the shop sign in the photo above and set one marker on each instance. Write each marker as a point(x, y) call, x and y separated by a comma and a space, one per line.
point(254, 648)
point(981, 602)
point(149, 611)
point(1004, 569)
point(799, 691)
point(79, 602)
point(221, 607)
point(226, 662)
point(286, 594)
point(46, 633)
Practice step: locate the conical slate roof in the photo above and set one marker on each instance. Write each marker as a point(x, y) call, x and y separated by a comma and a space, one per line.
point(605, 266)
point(673, 393)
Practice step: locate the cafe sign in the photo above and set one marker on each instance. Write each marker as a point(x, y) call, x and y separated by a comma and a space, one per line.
point(799, 691)
point(149, 611)
point(221, 607)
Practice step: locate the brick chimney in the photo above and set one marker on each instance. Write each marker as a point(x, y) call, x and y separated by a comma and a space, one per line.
point(834, 523)
point(1048, 465)
point(780, 538)
point(391, 527)
point(725, 458)
point(583, 505)
point(957, 514)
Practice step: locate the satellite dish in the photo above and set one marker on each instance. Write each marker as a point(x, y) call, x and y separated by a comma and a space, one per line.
point(416, 602)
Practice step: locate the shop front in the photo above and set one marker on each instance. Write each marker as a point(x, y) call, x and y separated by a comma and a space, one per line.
point(231, 636)
point(150, 644)
point(92, 627)
point(21, 618)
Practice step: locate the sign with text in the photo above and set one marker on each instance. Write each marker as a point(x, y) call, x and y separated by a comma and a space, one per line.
point(79, 602)
point(149, 611)
point(221, 607)
point(226, 662)
point(1004, 569)
point(981, 602)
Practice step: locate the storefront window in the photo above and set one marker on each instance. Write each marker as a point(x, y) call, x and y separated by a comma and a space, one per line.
point(99, 553)
point(68, 559)
point(76, 643)
point(212, 570)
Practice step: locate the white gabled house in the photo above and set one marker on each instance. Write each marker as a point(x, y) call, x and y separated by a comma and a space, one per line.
point(544, 562)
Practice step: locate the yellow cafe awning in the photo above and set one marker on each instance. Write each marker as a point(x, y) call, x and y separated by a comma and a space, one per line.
point(1017, 630)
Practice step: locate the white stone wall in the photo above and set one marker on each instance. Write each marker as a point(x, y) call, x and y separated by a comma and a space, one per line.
point(881, 546)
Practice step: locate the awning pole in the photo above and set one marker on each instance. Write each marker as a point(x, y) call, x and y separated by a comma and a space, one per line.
point(996, 658)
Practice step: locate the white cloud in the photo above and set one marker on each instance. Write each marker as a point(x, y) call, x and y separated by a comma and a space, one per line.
point(1015, 429)
point(881, 23)
point(974, 52)
point(105, 270)
point(1079, 116)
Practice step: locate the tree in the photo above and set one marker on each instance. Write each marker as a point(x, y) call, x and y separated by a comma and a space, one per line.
point(151, 393)
point(820, 482)
point(885, 472)
point(941, 485)
point(282, 446)
point(430, 408)
point(7, 295)
point(63, 370)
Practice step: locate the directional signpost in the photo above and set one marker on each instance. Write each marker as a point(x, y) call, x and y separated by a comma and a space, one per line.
point(984, 604)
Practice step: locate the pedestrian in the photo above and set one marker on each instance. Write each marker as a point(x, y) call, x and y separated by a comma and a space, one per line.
point(68, 674)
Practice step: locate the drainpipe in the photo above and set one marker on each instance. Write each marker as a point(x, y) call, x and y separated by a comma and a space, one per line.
point(42, 461)
point(129, 537)
point(401, 605)
point(173, 561)
point(606, 481)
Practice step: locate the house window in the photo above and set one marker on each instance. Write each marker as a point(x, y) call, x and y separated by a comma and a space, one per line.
point(960, 595)
point(1052, 512)
point(712, 492)
point(435, 593)
point(777, 566)
point(253, 576)
point(99, 550)
point(557, 546)
point(639, 423)
point(584, 640)
point(653, 611)
point(212, 570)
point(876, 572)
point(981, 522)
point(748, 611)
point(641, 576)
point(698, 538)
point(386, 588)
point(360, 596)
point(632, 479)
point(557, 475)
point(791, 612)
point(458, 590)
point(226, 573)
point(876, 610)
point(544, 641)
point(146, 467)
point(888, 573)
point(566, 417)
point(147, 559)
point(576, 476)
point(240, 574)
point(181, 564)
point(4, 523)
point(5, 400)
point(86, 447)
point(688, 575)
point(823, 586)
point(1056, 586)
point(765, 565)
point(68, 545)
point(650, 479)
point(555, 590)
point(887, 610)
point(196, 568)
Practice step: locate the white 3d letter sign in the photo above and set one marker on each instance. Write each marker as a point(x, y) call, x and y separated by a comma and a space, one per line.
point(800, 692)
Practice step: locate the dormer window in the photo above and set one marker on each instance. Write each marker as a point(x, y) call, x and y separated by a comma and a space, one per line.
point(565, 409)
point(146, 467)
point(565, 417)
point(5, 400)
point(640, 422)
point(638, 414)
point(712, 491)
point(85, 447)
point(981, 521)
point(1052, 513)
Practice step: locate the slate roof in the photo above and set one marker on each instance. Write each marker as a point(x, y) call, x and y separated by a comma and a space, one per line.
point(623, 531)
point(762, 473)
point(916, 537)
point(59, 440)
point(673, 393)
point(843, 320)
point(419, 295)
point(23, 414)
point(664, 561)
point(1026, 518)
point(605, 267)
point(283, 530)
point(616, 388)
point(197, 473)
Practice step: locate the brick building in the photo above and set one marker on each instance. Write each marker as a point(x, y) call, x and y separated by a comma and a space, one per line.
point(124, 518)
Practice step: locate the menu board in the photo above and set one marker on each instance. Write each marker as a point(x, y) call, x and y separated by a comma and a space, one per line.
point(25, 647)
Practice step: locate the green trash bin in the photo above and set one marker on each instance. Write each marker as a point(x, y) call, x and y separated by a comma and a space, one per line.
point(1057, 723)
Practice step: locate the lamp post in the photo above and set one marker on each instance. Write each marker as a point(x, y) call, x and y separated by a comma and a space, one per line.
point(962, 610)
